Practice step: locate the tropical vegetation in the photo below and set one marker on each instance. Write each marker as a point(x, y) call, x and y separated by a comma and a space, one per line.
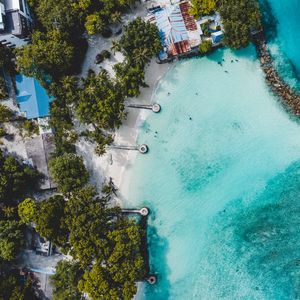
point(105, 245)
point(100, 100)
point(205, 47)
point(3, 89)
point(48, 53)
point(69, 172)
point(240, 18)
point(16, 182)
point(65, 281)
point(202, 7)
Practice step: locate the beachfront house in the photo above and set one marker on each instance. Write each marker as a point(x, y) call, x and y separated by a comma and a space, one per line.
point(15, 22)
point(180, 32)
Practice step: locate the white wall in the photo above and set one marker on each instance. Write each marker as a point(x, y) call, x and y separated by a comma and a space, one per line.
point(12, 4)
point(2, 11)
point(15, 5)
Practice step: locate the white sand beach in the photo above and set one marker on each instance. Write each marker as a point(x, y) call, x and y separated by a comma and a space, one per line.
point(115, 162)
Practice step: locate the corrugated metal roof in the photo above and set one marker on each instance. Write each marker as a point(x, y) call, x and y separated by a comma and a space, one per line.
point(32, 97)
point(171, 25)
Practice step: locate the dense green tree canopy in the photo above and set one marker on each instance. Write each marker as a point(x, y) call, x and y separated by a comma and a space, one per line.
point(49, 53)
point(27, 210)
point(205, 47)
point(130, 77)
point(6, 114)
point(50, 220)
point(95, 23)
point(3, 89)
point(65, 90)
point(65, 94)
point(123, 266)
point(202, 7)
point(125, 254)
point(15, 179)
point(69, 172)
point(88, 219)
point(98, 277)
point(60, 14)
point(141, 35)
point(5, 63)
point(71, 15)
point(101, 102)
point(65, 281)
point(11, 237)
point(240, 18)
point(10, 288)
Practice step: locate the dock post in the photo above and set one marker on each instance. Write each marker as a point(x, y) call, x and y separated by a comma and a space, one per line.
point(144, 211)
point(156, 108)
point(152, 279)
point(143, 148)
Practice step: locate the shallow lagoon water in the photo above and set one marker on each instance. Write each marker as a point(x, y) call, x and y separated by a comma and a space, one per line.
point(222, 180)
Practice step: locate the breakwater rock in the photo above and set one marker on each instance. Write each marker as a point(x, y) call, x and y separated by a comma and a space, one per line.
point(289, 97)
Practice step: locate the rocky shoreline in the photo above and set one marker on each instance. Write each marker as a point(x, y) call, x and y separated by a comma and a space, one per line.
point(288, 96)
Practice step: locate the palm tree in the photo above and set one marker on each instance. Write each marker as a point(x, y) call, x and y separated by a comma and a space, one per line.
point(141, 56)
point(90, 90)
point(115, 47)
point(116, 17)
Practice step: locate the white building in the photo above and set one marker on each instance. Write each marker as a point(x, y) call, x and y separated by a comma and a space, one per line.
point(15, 22)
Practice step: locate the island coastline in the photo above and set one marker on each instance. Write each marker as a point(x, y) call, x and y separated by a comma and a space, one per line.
point(114, 163)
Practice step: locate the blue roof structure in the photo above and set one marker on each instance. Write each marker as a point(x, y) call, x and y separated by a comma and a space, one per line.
point(32, 97)
point(217, 36)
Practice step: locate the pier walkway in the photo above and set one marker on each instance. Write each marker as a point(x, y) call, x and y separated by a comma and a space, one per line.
point(143, 149)
point(156, 108)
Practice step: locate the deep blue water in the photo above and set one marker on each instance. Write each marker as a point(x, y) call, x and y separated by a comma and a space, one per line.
point(283, 28)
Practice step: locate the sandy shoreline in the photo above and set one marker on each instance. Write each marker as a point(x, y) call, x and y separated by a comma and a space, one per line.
point(116, 163)
point(129, 131)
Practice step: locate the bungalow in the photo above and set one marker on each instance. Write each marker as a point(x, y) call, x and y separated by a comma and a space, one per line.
point(32, 97)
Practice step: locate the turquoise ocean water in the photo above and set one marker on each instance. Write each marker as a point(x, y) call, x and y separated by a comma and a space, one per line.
point(222, 180)
point(283, 29)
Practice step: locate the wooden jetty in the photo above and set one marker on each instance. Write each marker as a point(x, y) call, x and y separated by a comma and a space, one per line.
point(155, 107)
point(143, 211)
point(143, 148)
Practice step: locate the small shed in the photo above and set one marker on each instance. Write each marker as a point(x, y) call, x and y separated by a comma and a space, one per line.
point(217, 36)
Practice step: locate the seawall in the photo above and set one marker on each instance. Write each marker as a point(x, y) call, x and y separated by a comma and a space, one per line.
point(287, 95)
